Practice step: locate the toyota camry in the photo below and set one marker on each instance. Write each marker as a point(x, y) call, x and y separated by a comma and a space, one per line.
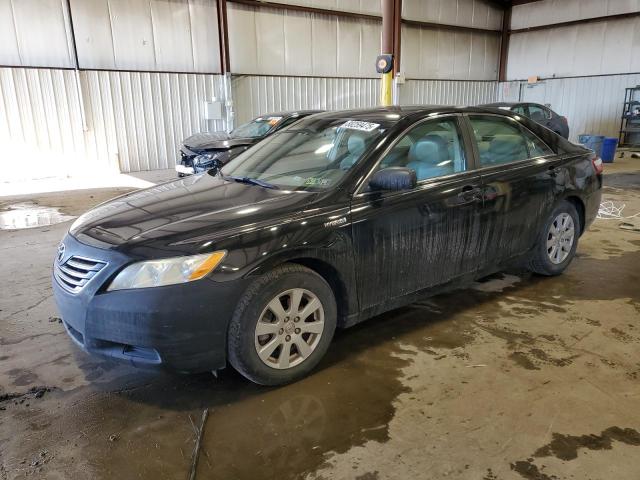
point(324, 224)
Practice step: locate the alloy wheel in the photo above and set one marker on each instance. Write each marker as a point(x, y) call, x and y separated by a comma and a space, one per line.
point(560, 238)
point(289, 328)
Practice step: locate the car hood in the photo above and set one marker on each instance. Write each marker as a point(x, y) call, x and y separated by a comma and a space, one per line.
point(215, 141)
point(167, 216)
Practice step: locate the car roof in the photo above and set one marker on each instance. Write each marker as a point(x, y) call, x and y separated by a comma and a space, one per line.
point(392, 114)
point(512, 104)
point(502, 104)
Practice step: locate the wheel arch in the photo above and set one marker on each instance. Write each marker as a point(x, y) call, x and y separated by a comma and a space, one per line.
point(577, 202)
point(335, 280)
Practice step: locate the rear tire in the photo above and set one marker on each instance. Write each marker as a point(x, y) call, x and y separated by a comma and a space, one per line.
point(282, 326)
point(557, 242)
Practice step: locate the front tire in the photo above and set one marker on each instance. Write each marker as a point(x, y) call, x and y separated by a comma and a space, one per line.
point(282, 326)
point(557, 242)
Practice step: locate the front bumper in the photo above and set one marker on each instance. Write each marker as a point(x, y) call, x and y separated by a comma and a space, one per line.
point(177, 327)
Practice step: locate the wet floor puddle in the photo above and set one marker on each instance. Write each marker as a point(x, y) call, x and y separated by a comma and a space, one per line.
point(22, 215)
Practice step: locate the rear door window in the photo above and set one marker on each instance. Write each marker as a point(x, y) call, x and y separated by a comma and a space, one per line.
point(536, 147)
point(539, 114)
point(501, 140)
point(520, 110)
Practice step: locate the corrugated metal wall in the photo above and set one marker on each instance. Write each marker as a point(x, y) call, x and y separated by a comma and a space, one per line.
point(465, 13)
point(370, 7)
point(35, 33)
point(158, 35)
point(591, 104)
point(268, 41)
point(41, 128)
point(437, 53)
point(554, 11)
point(135, 121)
point(143, 117)
point(130, 121)
point(592, 49)
point(600, 48)
point(443, 92)
point(256, 95)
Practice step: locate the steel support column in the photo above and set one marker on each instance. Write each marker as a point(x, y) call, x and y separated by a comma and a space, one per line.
point(386, 48)
point(225, 64)
point(504, 44)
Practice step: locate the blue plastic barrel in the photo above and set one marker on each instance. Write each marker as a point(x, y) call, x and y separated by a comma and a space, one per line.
point(592, 142)
point(609, 149)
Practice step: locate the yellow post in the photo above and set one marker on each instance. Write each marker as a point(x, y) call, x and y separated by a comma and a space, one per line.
point(386, 89)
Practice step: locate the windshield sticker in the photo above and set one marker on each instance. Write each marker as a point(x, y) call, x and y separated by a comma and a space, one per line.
point(321, 182)
point(362, 126)
point(274, 120)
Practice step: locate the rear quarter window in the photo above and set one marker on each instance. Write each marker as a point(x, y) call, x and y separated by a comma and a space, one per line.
point(502, 140)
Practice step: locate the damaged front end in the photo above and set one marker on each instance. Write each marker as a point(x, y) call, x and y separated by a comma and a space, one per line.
point(197, 162)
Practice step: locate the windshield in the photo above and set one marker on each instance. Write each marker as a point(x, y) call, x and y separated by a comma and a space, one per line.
point(257, 127)
point(313, 156)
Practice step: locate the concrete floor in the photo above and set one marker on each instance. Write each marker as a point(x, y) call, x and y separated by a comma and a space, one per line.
point(517, 377)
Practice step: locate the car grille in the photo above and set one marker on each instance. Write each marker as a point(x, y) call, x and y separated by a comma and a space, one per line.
point(76, 272)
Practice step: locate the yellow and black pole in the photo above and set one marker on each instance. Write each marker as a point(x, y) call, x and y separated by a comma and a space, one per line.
point(389, 49)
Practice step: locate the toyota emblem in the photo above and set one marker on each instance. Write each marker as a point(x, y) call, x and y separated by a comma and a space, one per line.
point(60, 252)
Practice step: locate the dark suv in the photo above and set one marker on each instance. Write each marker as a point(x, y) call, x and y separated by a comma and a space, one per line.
point(539, 114)
point(337, 218)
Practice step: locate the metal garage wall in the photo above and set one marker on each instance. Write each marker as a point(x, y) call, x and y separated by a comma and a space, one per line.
point(41, 126)
point(556, 11)
point(256, 95)
point(268, 41)
point(606, 47)
point(35, 33)
point(591, 104)
point(123, 121)
point(369, 7)
point(599, 48)
point(444, 54)
point(465, 13)
point(159, 35)
point(141, 118)
point(443, 92)
point(436, 53)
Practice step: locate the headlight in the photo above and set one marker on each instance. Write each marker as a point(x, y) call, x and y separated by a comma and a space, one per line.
point(168, 271)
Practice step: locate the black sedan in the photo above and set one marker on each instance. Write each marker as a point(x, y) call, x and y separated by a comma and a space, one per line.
point(338, 218)
point(203, 151)
point(538, 113)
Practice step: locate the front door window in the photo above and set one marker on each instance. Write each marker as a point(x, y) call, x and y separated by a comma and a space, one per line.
point(432, 149)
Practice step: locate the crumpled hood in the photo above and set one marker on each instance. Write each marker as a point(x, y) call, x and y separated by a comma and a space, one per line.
point(172, 213)
point(215, 141)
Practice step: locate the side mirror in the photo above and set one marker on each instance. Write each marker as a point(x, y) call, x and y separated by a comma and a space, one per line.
point(393, 178)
